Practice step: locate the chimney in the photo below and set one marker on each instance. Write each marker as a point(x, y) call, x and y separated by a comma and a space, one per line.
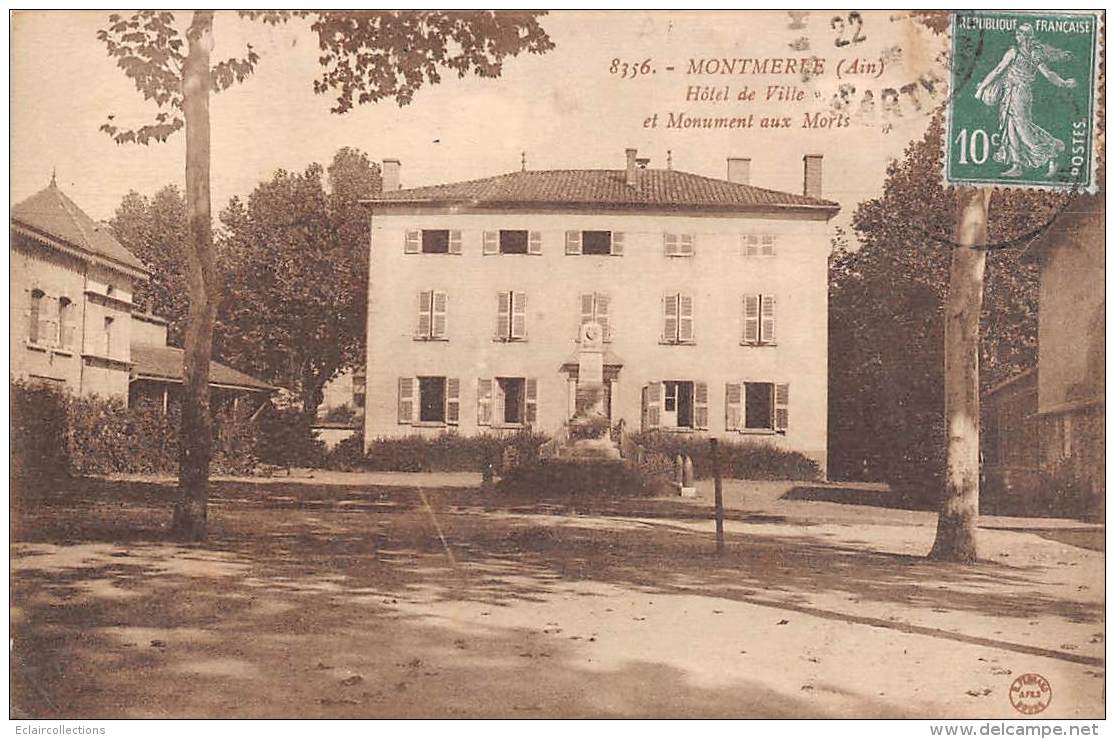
point(739, 170)
point(631, 177)
point(390, 174)
point(811, 187)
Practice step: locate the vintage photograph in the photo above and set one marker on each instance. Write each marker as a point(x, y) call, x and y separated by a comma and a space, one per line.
point(462, 364)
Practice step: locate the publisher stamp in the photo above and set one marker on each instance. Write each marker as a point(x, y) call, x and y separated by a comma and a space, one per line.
point(1024, 112)
point(1030, 693)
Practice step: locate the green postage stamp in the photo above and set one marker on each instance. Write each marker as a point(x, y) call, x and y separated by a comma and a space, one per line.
point(1022, 106)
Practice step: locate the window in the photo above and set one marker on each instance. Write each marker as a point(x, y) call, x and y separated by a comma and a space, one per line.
point(432, 315)
point(429, 400)
point(66, 323)
point(757, 245)
point(595, 308)
point(675, 404)
point(507, 401)
point(108, 336)
point(34, 315)
point(758, 320)
point(512, 242)
point(432, 241)
point(677, 319)
point(678, 245)
point(765, 406)
point(602, 243)
point(511, 316)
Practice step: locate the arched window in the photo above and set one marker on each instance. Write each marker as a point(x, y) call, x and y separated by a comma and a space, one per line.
point(34, 315)
point(65, 323)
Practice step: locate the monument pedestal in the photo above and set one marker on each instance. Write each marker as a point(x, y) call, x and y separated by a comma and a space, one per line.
point(589, 431)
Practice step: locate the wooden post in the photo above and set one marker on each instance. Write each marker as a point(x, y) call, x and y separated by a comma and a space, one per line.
point(719, 493)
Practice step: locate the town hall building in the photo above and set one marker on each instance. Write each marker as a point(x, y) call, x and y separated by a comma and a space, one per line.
point(712, 295)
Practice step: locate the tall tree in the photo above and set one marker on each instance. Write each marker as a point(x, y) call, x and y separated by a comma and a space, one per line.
point(295, 257)
point(154, 229)
point(366, 56)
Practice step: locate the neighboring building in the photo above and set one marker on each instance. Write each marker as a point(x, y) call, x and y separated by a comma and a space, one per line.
point(73, 324)
point(713, 294)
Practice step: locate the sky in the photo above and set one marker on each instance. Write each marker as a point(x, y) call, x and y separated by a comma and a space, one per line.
point(563, 109)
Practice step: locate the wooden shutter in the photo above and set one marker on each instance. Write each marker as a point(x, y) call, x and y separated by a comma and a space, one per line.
point(534, 242)
point(733, 406)
point(766, 245)
point(491, 242)
point(413, 242)
point(750, 245)
point(587, 311)
point(750, 319)
point(519, 316)
point(670, 318)
point(452, 400)
point(499, 402)
point(700, 405)
point(572, 242)
point(484, 402)
point(454, 242)
point(766, 333)
point(602, 306)
point(503, 316)
point(440, 315)
point(652, 405)
point(617, 243)
point(406, 400)
point(531, 416)
point(781, 407)
point(670, 244)
point(685, 245)
point(685, 318)
point(425, 318)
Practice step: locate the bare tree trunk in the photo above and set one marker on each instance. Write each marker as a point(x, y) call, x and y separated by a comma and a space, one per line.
point(956, 523)
point(196, 432)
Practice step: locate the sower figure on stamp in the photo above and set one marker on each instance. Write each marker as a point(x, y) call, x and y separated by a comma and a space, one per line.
point(1023, 144)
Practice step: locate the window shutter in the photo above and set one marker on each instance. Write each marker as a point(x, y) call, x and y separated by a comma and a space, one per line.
point(750, 245)
point(685, 318)
point(572, 242)
point(781, 407)
point(700, 405)
point(733, 402)
point(519, 317)
point(603, 304)
point(534, 242)
point(503, 316)
point(750, 319)
point(425, 320)
point(652, 405)
point(452, 400)
point(413, 242)
point(532, 401)
point(406, 400)
point(587, 312)
point(766, 246)
point(454, 242)
point(670, 244)
point(499, 402)
point(491, 242)
point(670, 318)
point(440, 312)
point(685, 245)
point(767, 331)
point(484, 402)
point(617, 243)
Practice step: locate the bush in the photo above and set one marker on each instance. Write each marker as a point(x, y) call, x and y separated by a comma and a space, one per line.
point(36, 432)
point(742, 460)
point(443, 453)
point(285, 438)
point(575, 480)
point(341, 414)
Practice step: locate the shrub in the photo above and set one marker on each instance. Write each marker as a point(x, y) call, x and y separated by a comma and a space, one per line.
point(443, 453)
point(36, 431)
point(575, 480)
point(742, 460)
point(347, 455)
point(285, 438)
point(341, 414)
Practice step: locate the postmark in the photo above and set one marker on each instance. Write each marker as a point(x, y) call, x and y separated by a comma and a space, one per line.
point(1030, 693)
point(1025, 113)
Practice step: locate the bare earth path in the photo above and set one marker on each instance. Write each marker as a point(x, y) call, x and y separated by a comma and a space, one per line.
point(335, 598)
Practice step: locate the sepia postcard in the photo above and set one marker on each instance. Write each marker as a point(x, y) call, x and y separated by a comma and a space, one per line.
point(460, 364)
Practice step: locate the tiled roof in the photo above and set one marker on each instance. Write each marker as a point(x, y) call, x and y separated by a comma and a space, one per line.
point(666, 188)
point(50, 212)
point(166, 362)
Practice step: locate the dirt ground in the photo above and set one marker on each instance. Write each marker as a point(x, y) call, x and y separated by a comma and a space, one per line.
point(336, 598)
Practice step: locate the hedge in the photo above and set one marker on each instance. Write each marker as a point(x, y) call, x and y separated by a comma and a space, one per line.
point(740, 460)
point(571, 481)
point(442, 453)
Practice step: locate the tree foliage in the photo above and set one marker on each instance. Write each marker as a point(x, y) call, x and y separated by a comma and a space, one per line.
point(887, 315)
point(154, 229)
point(295, 262)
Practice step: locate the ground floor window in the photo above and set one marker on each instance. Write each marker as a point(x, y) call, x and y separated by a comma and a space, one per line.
point(758, 409)
point(766, 406)
point(677, 407)
point(510, 399)
point(675, 404)
point(431, 399)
